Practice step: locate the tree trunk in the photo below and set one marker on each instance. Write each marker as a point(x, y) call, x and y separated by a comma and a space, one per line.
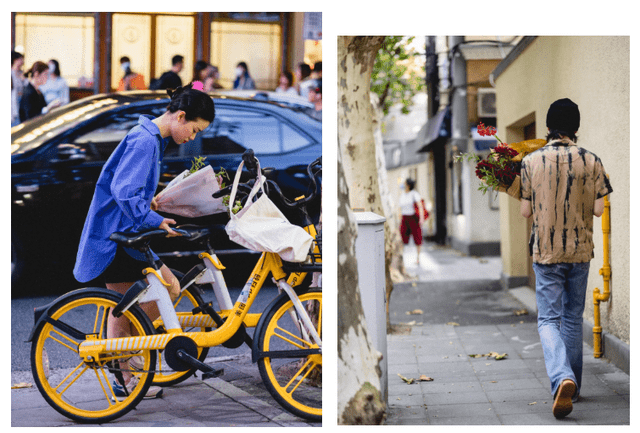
point(393, 247)
point(359, 398)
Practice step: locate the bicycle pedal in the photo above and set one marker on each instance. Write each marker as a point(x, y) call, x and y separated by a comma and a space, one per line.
point(208, 372)
point(213, 373)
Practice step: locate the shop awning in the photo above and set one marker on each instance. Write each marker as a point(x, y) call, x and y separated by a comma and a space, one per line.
point(436, 128)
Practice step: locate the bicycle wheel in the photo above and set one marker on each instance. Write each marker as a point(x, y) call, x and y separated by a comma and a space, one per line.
point(82, 390)
point(289, 366)
point(188, 300)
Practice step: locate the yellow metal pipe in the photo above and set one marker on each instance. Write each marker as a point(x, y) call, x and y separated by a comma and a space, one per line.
point(605, 271)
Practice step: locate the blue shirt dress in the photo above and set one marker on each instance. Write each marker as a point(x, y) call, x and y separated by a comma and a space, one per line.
point(122, 199)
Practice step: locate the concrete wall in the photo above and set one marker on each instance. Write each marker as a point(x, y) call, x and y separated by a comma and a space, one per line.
point(476, 230)
point(594, 72)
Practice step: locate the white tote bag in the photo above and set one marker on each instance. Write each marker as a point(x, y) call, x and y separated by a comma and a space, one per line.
point(190, 196)
point(261, 226)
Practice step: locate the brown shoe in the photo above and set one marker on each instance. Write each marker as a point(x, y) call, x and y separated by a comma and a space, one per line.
point(562, 406)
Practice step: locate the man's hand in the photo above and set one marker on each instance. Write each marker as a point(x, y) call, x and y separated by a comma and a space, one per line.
point(598, 207)
point(525, 208)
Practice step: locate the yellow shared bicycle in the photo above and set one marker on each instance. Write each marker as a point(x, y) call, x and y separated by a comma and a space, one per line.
point(73, 362)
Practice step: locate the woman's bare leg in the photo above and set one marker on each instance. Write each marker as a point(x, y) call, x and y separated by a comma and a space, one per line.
point(120, 327)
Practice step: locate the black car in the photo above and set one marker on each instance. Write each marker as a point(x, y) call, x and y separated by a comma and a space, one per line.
point(56, 160)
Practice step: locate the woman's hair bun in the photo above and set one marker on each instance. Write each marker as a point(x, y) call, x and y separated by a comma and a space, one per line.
point(195, 103)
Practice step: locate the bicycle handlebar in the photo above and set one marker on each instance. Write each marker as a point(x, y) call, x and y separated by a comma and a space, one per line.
point(250, 162)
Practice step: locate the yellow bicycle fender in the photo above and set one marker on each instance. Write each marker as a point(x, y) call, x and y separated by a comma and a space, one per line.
point(148, 271)
point(218, 265)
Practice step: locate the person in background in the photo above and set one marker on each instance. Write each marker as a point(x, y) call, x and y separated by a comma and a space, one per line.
point(56, 87)
point(303, 79)
point(315, 97)
point(131, 80)
point(170, 79)
point(17, 85)
point(411, 224)
point(32, 103)
point(316, 74)
point(200, 71)
point(286, 84)
point(206, 74)
point(563, 188)
point(243, 79)
point(211, 81)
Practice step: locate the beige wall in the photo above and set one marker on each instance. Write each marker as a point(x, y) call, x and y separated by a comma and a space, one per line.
point(594, 73)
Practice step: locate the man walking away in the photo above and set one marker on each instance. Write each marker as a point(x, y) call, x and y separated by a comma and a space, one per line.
point(563, 187)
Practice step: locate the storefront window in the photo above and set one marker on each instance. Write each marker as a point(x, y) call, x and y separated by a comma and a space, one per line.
point(131, 38)
point(174, 35)
point(67, 38)
point(259, 45)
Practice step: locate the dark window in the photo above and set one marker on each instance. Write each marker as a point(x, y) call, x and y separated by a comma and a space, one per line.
point(102, 137)
point(235, 130)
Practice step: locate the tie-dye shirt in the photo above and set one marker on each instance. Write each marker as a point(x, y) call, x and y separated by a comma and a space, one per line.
point(562, 181)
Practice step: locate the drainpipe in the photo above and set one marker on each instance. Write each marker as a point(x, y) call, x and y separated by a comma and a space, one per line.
point(605, 271)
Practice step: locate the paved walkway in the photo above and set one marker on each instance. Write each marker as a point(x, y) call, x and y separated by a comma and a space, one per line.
point(238, 398)
point(451, 325)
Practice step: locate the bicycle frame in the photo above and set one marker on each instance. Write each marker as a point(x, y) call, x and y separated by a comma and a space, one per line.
point(269, 263)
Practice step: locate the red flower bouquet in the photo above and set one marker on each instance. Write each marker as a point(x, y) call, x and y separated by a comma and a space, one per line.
point(500, 170)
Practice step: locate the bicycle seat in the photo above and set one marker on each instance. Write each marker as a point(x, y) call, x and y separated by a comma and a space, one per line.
point(196, 232)
point(136, 240)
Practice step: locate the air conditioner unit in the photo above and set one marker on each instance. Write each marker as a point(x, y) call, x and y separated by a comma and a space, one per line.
point(486, 102)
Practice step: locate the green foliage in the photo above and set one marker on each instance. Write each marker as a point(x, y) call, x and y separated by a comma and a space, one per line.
point(223, 177)
point(392, 79)
point(197, 164)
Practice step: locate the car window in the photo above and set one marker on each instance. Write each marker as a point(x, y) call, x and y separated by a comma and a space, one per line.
point(235, 130)
point(103, 136)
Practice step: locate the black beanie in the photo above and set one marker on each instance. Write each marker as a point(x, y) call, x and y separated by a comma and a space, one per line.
point(563, 115)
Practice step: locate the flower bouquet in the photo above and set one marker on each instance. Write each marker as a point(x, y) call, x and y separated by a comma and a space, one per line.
point(500, 170)
point(189, 194)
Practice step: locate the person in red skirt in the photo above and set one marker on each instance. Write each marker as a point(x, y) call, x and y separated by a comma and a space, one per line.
point(411, 222)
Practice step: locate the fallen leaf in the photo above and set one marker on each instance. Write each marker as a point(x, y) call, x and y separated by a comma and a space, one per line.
point(413, 322)
point(521, 312)
point(424, 378)
point(532, 403)
point(495, 355)
point(21, 385)
point(418, 311)
point(453, 323)
point(408, 381)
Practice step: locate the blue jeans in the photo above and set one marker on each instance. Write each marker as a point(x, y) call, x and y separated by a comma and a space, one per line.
point(560, 294)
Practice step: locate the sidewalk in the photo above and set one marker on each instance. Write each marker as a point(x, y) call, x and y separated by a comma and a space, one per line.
point(238, 398)
point(451, 324)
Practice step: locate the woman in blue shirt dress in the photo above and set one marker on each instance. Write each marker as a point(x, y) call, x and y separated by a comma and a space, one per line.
point(124, 200)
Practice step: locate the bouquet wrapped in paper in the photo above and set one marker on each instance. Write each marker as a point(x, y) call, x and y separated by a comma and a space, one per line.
point(500, 170)
point(189, 193)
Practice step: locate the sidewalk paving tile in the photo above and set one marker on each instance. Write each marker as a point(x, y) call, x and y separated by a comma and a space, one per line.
point(481, 390)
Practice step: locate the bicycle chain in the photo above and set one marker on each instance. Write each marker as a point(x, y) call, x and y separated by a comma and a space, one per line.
point(130, 370)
